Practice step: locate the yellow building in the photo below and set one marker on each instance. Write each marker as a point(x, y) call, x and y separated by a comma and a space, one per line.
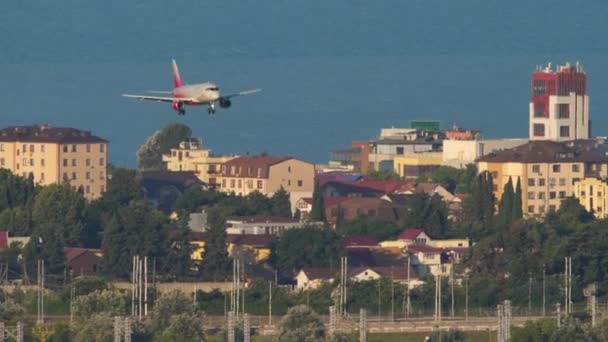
point(267, 174)
point(412, 165)
point(254, 248)
point(191, 156)
point(547, 170)
point(56, 154)
point(591, 193)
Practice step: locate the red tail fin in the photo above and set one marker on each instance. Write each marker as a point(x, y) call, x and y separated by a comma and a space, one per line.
point(176, 78)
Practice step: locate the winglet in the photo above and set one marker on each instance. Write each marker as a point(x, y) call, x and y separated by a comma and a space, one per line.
point(176, 78)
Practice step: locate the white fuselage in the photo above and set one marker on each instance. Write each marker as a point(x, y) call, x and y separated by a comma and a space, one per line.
point(201, 93)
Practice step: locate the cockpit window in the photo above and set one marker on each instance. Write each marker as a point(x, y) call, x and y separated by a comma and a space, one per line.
point(213, 88)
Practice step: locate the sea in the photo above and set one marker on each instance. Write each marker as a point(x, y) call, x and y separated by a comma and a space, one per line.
point(331, 71)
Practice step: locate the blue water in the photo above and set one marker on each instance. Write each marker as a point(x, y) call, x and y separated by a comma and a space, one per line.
point(332, 71)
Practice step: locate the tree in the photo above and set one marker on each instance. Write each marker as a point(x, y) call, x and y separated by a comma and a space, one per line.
point(18, 221)
point(505, 208)
point(364, 225)
point(301, 324)
point(58, 221)
point(281, 206)
point(11, 312)
point(98, 328)
point(455, 180)
point(318, 204)
point(383, 175)
point(123, 187)
point(216, 263)
point(168, 306)
point(518, 213)
point(183, 327)
point(179, 260)
point(194, 198)
point(149, 155)
point(113, 303)
point(311, 246)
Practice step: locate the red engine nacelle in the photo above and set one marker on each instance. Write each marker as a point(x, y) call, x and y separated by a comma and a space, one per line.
point(176, 106)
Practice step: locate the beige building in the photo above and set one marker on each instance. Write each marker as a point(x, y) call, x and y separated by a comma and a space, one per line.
point(412, 165)
point(56, 154)
point(267, 174)
point(548, 170)
point(591, 193)
point(192, 156)
point(460, 153)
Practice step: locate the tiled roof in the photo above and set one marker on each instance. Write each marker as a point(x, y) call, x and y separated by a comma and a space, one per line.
point(72, 253)
point(48, 134)
point(545, 151)
point(262, 219)
point(410, 234)
point(421, 248)
point(3, 239)
point(320, 272)
point(247, 166)
point(397, 272)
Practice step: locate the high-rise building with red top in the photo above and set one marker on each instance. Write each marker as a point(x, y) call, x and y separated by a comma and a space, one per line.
point(559, 106)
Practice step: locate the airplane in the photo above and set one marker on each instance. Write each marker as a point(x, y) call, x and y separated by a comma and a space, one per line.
point(193, 95)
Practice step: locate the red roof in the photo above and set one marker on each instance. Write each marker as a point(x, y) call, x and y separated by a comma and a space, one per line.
point(320, 272)
point(386, 186)
point(359, 241)
point(308, 200)
point(72, 253)
point(3, 239)
point(410, 234)
point(331, 201)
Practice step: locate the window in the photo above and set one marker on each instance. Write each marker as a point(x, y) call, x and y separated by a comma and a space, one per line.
point(240, 184)
point(24, 148)
point(73, 148)
point(31, 162)
point(300, 182)
point(574, 180)
point(556, 168)
point(24, 161)
point(73, 162)
point(232, 183)
point(88, 162)
point(73, 175)
point(551, 182)
point(562, 194)
point(530, 181)
point(541, 209)
point(538, 130)
point(531, 195)
point(1, 161)
point(41, 148)
point(88, 149)
point(552, 195)
point(539, 110)
point(87, 175)
point(576, 168)
point(42, 162)
point(32, 148)
point(563, 111)
point(101, 175)
point(494, 174)
point(232, 170)
point(223, 183)
point(564, 131)
point(250, 184)
point(289, 169)
point(260, 184)
point(100, 161)
point(65, 148)
point(400, 150)
point(536, 168)
point(552, 207)
point(65, 162)
point(541, 182)
point(541, 195)
point(102, 147)
point(88, 189)
point(562, 181)
point(102, 189)
point(42, 176)
point(259, 172)
point(531, 209)
point(538, 88)
point(1, 147)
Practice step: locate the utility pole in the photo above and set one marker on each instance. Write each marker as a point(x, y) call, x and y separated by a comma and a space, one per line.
point(40, 318)
point(544, 290)
point(466, 297)
point(379, 299)
point(392, 296)
point(408, 307)
point(146, 286)
point(559, 314)
point(530, 293)
point(72, 295)
point(117, 328)
point(332, 321)
point(568, 285)
point(362, 325)
point(452, 286)
point(231, 337)
point(270, 303)
point(127, 329)
point(246, 328)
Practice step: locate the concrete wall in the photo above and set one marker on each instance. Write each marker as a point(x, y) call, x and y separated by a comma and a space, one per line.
point(459, 153)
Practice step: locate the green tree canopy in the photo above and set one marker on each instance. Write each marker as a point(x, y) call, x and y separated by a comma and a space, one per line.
point(301, 324)
point(318, 204)
point(170, 305)
point(216, 263)
point(455, 180)
point(280, 204)
point(149, 155)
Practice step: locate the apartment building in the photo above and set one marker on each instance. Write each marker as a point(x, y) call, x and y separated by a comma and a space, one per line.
point(55, 155)
point(413, 165)
point(548, 170)
point(591, 194)
point(192, 156)
point(267, 174)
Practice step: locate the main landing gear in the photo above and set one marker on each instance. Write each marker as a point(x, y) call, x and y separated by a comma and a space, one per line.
point(211, 109)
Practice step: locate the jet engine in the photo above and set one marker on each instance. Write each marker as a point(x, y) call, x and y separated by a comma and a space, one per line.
point(179, 107)
point(225, 103)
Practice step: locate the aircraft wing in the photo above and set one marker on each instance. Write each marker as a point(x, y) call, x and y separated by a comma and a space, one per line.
point(243, 93)
point(158, 98)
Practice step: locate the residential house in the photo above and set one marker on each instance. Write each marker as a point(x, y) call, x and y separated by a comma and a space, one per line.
point(460, 153)
point(6, 241)
point(353, 207)
point(83, 261)
point(53, 155)
point(268, 174)
point(260, 225)
point(163, 187)
point(313, 277)
point(547, 170)
point(192, 156)
point(591, 194)
point(413, 165)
